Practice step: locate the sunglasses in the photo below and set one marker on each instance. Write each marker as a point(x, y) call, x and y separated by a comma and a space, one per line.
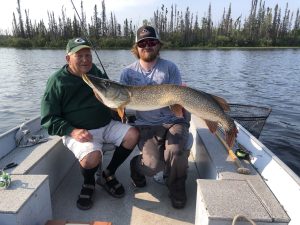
point(149, 43)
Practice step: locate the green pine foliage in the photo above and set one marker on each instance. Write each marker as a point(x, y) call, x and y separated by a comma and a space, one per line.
point(263, 27)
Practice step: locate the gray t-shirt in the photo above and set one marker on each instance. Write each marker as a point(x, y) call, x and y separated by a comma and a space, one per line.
point(164, 72)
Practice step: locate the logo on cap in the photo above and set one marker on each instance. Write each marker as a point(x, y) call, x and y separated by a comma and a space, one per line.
point(79, 41)
point(145, 32)
point(76, 44)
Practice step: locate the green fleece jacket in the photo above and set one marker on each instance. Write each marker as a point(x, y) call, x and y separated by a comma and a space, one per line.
point(68, 103)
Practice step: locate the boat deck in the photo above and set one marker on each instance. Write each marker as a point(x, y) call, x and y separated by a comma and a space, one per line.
point(150, 203)
point(46, 183)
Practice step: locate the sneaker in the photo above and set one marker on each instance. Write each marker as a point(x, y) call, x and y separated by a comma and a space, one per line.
point(138, 179)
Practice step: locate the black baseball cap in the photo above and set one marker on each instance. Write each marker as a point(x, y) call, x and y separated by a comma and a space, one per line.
point(146, 32)
point(76, 44)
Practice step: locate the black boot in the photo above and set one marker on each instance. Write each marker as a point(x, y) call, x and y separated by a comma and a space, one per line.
point(138, 179)
point(177, 193)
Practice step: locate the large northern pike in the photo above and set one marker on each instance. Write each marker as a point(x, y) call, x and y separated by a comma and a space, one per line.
point(143, 98)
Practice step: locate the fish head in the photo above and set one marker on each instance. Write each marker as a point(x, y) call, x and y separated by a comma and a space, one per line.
point(112, 94)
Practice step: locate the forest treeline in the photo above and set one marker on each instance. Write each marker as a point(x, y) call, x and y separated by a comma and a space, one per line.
point(263, 27)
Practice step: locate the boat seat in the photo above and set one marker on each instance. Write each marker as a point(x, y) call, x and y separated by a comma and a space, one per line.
point(27, 199)
point(220, 185)
point(47, 158)
point(39, 171)
point(51, 158)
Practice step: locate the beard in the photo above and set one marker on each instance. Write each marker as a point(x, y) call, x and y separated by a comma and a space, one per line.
point(149, 55)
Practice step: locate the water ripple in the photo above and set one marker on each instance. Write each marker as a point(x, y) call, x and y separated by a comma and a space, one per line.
point(257, 77)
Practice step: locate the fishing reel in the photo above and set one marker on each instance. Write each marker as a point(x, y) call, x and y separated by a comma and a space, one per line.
point(5, 180)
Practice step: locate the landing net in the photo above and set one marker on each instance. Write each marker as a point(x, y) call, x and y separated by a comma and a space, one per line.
point(251, 117)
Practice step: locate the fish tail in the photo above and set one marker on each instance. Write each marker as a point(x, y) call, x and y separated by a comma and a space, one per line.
point(230, 134)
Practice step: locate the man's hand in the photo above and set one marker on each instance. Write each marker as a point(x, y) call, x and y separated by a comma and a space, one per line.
point(81, 135)
point(177, 110)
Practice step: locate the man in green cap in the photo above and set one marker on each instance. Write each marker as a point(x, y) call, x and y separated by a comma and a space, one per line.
point(70, 109)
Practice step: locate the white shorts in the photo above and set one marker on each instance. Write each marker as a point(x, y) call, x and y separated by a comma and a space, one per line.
point(113, 133)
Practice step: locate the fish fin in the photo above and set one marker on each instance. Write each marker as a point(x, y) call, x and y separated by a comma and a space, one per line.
point(230, 136)
point(212, 126)
point(121, 113)
point(222, 102)
point(177, 110)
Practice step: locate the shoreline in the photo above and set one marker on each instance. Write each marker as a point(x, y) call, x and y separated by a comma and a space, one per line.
point(166, 48)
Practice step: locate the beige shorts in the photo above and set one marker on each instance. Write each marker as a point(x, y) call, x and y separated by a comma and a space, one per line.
point(112, 133)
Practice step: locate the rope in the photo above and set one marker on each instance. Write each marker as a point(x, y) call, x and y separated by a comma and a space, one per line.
point(244, 217)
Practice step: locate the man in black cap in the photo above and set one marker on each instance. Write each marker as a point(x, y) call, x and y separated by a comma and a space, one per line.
point(70, 109)
point(163, 135)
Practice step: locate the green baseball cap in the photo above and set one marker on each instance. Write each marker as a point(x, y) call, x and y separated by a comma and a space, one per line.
point(76, 44)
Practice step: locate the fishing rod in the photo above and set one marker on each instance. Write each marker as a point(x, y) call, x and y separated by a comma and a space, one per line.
point(85, 34)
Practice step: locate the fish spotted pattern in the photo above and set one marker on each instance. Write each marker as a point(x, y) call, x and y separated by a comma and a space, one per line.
point(208, 107)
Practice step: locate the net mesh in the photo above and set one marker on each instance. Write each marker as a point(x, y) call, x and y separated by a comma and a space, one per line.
point(251, 117)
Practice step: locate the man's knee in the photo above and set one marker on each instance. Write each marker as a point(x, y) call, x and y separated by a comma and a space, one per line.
point(131, 138)
point(154, 168)
point(91, 160)
point(134, 134)
point(176, 151)
point(149, 166)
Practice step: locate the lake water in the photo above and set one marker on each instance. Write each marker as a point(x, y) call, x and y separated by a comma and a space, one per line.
point(256, 77)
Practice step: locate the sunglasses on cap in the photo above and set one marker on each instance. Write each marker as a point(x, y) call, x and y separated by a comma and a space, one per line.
point(147, 42)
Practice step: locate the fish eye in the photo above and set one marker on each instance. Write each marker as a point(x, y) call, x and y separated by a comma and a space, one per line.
point(107, 84)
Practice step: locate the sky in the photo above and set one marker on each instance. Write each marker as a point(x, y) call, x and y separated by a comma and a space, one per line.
point(136, 10)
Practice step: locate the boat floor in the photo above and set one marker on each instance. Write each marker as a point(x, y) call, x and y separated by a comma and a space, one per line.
point(150, 203)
